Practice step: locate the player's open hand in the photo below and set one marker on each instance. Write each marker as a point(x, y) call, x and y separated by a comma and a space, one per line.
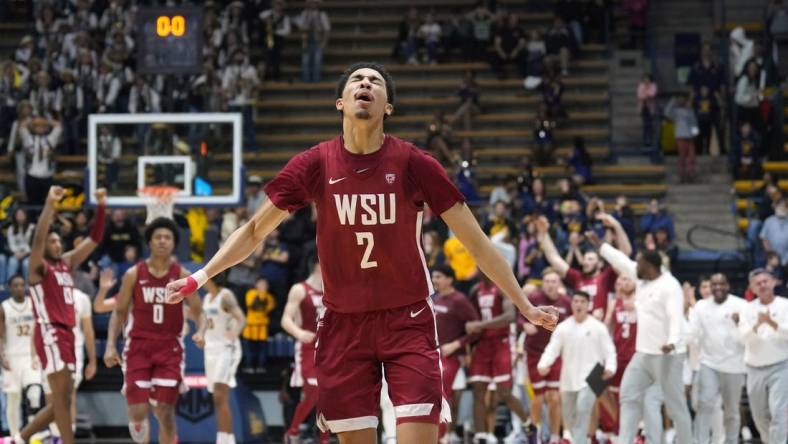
point(546, 317)
point(56, 193)
point(101, 196)
point(198, 339)
point(111, 357)
point(177, 291)
point(90, 369)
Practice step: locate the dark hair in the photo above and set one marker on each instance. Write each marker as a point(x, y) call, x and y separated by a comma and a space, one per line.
point(16, 276)
point(161, 222)
point(391, 89)
point(583, 294)
point(220, 279)
point(582, 152)
point(444, 270)
point(652, 257)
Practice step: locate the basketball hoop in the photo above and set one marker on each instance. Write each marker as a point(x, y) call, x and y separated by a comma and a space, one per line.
point(159, 200)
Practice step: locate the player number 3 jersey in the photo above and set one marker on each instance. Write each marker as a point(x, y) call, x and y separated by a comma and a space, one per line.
point(370, 211)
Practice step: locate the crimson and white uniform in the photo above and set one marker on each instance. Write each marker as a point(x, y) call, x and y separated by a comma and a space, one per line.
point(53, 304)
point(492, 355)
point(312, 309)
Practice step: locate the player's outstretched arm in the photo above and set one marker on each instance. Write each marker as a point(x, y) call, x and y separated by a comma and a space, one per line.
point(78, 255)
point(90, 345)
point(238, 247)
point(291, 316)
point(122, 302)
point(461, 221)
point(546, 242)
point(102, 304)
point(41, 232)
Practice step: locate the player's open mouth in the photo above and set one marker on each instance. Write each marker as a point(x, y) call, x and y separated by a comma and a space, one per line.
point(364, 96)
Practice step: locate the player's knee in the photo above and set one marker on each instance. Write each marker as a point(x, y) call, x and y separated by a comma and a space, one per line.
point(165, 414)
point(139, 431)
point(479, 389)
point(552, 397)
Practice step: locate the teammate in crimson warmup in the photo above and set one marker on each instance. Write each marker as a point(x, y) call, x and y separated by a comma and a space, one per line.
point(491, 360)
point(220, 338)
point(51, 288)
point(303, 309)
point(536, 339)
point(153, 352)
point(370, 189)
point(453, 311)
point(596, 279)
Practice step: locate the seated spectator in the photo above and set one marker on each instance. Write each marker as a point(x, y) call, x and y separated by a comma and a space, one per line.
point(665, 244)
point(774, 233)
point(747, 96)
point(274, 256)
point(259, 303)
point(430, 34)
point(468, 92)
point(559, 45)
point(536, 201)
point(580, 162)
point(499, 220)
point(439, 132)
point(407, 46)
point(552, 97)
point(625, 216)
point(69, 106)
point(19, 237)
point(433, 252)
point(119, 234)
point(255, 196)
point(536, 51)
point(40, 138)
point(543, 136)
point(510, 47)
point(707, 110)
point(572, 12)
point(481, 20)
point(686, 129)
point(747, 152)
point(108, 150)
point(457, 33)
point(657, 217)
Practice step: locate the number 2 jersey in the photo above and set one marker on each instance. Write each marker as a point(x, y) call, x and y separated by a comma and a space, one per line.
point(370, 210)
point(151, 316)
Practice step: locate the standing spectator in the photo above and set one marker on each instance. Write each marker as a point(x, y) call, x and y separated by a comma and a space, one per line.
point(774, 234)
point(107, 87)
point(40, 138)
point(277, 27)
point(456, 33)
point(240, 81)
point(481, 20)
point(315, 28)
point(439, 133)
point(143, 98)
point(552, 97)
point(741, 50)
point(407, 45)
point(469, 93)
point(582, 342)
point(24, 111)
point(536, 51)
point(500, 220)
point(19, 237)
point(559, 44)
point(686, 128)
point(657, 217)
point(747, 96)
point(430, 34)
point(707, 72)
point(510, 47)
point(763, 326)
point(461, 262)
point(274, 257)
point(647, 107)
point(41, 95)
point(69, 105)
point(119, 234)
point(234, 20)
point(543, 136)
point(259, 304)
point(721, 372)
point(11, 91)
point(707, 110)
point(255, 196)
point(746, 152)
point(108, 150)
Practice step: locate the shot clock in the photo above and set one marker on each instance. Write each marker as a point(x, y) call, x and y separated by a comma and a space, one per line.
point(169, 40)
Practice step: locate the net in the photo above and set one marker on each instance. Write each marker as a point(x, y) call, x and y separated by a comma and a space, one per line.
point(159, 201)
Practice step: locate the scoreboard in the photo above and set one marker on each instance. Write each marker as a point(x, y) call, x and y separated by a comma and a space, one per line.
point(169, 40)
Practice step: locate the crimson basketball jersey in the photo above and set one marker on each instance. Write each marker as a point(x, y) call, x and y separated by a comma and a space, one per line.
point(535, 344)
point(311, 310)
point(151, 316)
point(53, 298)
point(370, 209)
point(625, 330)
point(488, 301)
point(598, 286)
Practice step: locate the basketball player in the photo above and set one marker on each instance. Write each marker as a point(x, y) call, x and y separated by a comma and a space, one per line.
point(370, 189)
point(84, 340)
point(536, 339)
point(52, 291)
point(303, 309)
point(596, 279)
point(491, 361)
point(21, 372)
point(153, 351)
point(220, 337)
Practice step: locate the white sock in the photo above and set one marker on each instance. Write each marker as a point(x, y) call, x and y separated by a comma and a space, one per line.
point(13, 413)
point(220, 438)
point(230, 438)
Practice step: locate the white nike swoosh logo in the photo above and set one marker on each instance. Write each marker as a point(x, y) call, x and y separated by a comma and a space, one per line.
point(413, 315)
point(362, 170)
point(143, 282)
point(332, 181)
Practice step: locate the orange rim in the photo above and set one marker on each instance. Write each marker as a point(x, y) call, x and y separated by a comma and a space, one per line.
point(159, 191)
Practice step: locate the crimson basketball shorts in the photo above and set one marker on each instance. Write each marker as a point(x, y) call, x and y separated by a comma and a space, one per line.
point(304, 372)
point(491, 361)
point(55, 348)
point(451, 365)
point(152, 370)
point(352, 348)
point(541, 383)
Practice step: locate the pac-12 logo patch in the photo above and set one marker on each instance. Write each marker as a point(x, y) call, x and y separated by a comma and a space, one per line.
point(390, 178)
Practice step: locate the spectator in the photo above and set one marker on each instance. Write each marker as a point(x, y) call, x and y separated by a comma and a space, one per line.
point(665, 245)
point(552, 97)
point(315, 28)
point(108, 150)
point(530, 258)
point(469, 93)
point(510, 48)
point(457, 33)
point(707, 72)
point(741, 50)
point(234, 20)
point(657, 217)
point(647, 107)
point(107, 87)
point(19, 237)
point(24, 111)
point(120, 232)
point(79, 229)
point(433, 253)
point(461, 261)
point(580, 162)
point(637, 18)
point(11, 91)
point(707, 109)
point(274, 257)
point(41, 96)
point(25, 51)
point(69, 105)
point(439, 132)
point(276, 28)
point(746, 152)
point(430, 34)
point(774, 233)
point(40, 138)
point(536, 201)
point(255, 196)
point(259, 304)
point(240, 81)
point(625, 216)
point(500, 220)
point(408, 40)
point(481, 20)
point(231, 220)
point(536, 51)
point(747, 97)
point(572, 12)
point(559, 45)
point(543, 136)
point(686, 128)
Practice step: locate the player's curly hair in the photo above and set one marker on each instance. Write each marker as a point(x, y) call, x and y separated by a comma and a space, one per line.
point(161, 222)
point(391, 89)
